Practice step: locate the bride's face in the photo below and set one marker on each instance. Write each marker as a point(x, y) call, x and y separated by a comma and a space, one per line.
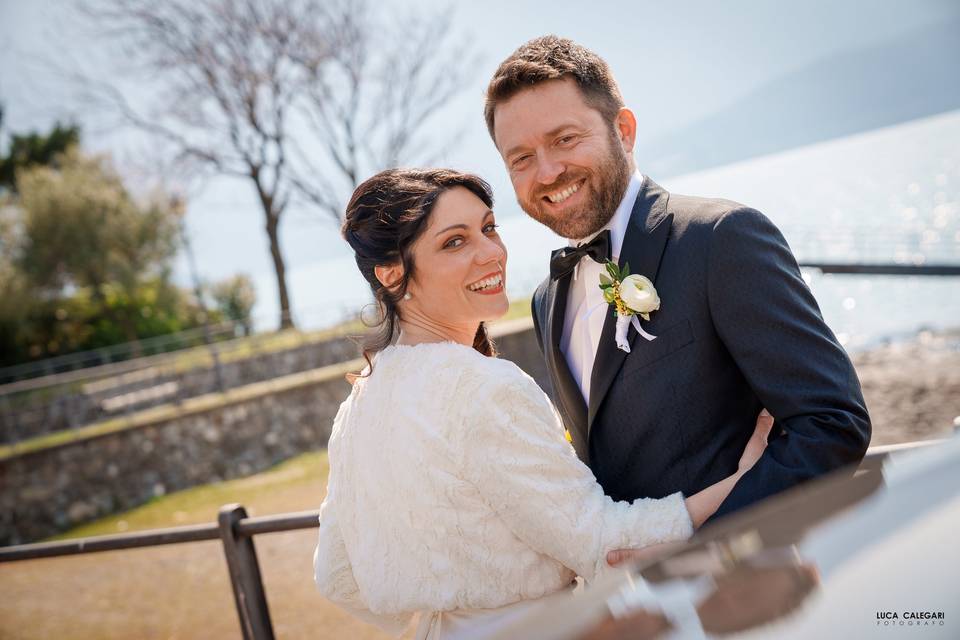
point(459, 262)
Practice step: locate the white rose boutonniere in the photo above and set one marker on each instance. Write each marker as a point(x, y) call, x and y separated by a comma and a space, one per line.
point(633, 295)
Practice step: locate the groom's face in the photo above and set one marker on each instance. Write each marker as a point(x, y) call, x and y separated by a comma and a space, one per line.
point(569, 167)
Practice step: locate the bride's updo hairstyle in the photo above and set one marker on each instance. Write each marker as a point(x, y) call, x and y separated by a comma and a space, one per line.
point(385, 216)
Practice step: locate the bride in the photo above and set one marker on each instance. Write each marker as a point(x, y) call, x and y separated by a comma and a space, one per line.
point(453, 492)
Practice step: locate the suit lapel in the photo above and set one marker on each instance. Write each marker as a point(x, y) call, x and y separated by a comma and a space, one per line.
point(643, 245)
point(567, 390)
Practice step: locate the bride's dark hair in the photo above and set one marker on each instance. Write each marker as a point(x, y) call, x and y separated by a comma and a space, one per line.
point(385, 216)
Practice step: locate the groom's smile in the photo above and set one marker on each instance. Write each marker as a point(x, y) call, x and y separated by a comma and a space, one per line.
point(564, 204)
point(561, 196)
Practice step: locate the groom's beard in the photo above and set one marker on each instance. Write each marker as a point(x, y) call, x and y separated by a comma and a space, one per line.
point(605, 187)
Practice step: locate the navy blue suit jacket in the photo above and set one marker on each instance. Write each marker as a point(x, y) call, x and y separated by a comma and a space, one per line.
point(738, 330)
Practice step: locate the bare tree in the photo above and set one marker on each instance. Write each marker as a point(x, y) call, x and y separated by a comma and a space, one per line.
point(371, 99)
point(300, 98)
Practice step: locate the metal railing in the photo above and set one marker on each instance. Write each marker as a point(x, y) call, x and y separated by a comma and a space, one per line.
point(117, 357)
point(236, 530)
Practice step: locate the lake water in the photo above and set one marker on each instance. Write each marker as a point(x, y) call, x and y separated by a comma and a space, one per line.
point(888, 195)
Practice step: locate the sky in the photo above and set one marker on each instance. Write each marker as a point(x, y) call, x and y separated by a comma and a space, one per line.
point(675, 62)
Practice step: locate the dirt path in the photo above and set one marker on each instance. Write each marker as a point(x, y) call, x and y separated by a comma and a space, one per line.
point(180, 592)
point(173, 592)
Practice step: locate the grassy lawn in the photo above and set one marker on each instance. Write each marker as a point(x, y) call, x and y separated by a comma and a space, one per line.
point(259, 344)
point(180, 591)
point(264, 343)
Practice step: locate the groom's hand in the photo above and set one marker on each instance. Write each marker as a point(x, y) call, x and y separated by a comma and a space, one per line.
point(621, 556)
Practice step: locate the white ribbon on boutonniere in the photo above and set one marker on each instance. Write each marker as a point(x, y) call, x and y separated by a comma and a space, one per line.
point(633, 295)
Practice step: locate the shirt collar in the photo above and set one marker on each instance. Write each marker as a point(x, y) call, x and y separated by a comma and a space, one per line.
point(621, 217)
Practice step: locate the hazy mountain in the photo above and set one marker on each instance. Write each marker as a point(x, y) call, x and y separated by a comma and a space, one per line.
point(909, 77)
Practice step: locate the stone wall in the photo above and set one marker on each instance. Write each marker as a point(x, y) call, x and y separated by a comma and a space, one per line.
point(95, 401)
point(243, 431)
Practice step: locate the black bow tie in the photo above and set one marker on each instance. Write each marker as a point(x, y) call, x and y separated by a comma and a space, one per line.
point(562, 261)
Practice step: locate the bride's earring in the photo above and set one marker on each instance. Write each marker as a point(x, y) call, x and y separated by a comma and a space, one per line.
point(407, 296)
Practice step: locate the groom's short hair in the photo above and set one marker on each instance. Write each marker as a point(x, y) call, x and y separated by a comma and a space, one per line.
point(551, 58)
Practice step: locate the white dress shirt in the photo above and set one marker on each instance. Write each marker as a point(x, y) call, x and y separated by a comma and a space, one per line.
point(586, 308)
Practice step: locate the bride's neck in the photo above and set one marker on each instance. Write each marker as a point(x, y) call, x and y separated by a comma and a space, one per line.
point(416, 329)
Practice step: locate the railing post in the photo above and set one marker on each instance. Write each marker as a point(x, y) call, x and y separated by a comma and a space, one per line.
point(244, 575)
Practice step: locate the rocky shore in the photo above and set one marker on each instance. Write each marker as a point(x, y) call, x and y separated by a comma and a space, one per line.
point(912, 387)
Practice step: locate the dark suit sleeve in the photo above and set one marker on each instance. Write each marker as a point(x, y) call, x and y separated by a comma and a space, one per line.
point(770, 323)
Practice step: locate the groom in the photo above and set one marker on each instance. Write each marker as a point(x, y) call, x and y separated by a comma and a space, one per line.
point(737, 329)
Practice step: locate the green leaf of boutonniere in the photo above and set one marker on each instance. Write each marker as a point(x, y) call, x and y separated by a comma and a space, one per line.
point(624, 272)
point(605, 280)
point(613, 271)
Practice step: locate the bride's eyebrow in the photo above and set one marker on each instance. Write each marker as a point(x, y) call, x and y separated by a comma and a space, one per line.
point(453, 226)
point(462, 226)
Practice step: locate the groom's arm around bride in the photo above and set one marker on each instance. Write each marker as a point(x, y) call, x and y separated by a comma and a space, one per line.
point(767, 318)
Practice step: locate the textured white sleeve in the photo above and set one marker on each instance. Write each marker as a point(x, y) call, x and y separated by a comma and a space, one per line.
point(334, 578)
point(521, 463)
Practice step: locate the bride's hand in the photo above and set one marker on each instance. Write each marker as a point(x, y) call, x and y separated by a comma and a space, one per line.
point(619, 556)
point(705, 503)
point(757, 443)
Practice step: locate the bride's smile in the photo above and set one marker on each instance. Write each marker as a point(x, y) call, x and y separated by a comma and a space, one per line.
point(488, 285)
